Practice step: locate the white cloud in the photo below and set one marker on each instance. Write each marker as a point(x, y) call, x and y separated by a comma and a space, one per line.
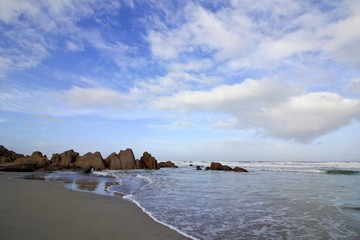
point(183, 124)
point(160, 46)
point(203, 31)
point(344, 40)
point(353, 86)
point(94, 98)
point(247, 95)
point(274, 108)
point(76, 101)
point(32, 30)
point(191, 65)
point(74, 47)
point(10, 10)
point(261, 35)
point(311, 115)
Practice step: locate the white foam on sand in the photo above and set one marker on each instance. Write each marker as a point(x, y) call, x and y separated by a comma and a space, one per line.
point(130, 197)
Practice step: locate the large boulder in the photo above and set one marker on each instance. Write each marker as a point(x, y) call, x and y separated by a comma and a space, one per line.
point(37, 158)
point(65, 159)
point(17, 167)
point(215, 166)
point(7, 156)
point(239, 169)
point(93, 160)
point(220, 167)
point(113, 162)
point(139, 164)
point(167, 164)
point(127, 159)
point(68, 157)
point(226, 168)
point(55, 159)
point(148, 161)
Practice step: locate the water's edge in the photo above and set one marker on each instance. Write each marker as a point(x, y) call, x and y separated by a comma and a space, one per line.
point(65, 183)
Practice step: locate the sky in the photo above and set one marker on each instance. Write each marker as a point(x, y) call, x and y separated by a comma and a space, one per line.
point(237, 80)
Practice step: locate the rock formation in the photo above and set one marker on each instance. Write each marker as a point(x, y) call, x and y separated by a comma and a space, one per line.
point(17, 167)
point(215, 166)
point(167, 164)
point(93, 160)
point(64, 160)
point(113, 162)
point(127, 159)
point(8, 156)
point(148, 161)
point(239, 169)
point(37, 158)
point(219, 167)
point(139, 164)
point(226, 168)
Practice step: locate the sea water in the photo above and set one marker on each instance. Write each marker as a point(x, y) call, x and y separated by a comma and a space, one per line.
point(274, 200)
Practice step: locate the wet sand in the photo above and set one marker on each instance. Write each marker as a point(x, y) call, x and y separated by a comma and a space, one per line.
point(34, 209)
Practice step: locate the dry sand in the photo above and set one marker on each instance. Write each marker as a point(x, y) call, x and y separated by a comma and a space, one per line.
point(33, 209)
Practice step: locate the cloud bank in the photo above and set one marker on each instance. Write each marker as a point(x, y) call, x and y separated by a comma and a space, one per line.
point(284, 69)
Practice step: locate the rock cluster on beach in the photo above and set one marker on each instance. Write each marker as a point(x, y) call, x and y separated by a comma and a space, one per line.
point(125, 159)
point(71, 160)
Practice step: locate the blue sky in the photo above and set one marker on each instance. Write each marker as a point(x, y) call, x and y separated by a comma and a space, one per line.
point(185, 80)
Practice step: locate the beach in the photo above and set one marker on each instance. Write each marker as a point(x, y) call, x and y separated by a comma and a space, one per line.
point(33, 209)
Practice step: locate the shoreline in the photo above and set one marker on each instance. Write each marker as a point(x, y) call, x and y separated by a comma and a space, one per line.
point(47, 210)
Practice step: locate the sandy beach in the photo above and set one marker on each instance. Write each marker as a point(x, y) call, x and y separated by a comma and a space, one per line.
point(33, 209)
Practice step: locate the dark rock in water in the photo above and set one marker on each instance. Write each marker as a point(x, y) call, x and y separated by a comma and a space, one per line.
point(95, 160)
point(167, 164)
point(148, 161)
point(207, 168)
point(226, 168)
point(239, 169)
point(191, 165)
point(198, 168)
point(220, 167)
point(7, 156)
point(18, 167)
point(127, 159)
point(215, 166)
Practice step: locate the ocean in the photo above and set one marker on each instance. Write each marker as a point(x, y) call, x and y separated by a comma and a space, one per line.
point(274, 200)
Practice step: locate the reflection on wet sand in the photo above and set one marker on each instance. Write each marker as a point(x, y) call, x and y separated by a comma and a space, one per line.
point(86, 185)
point(81, 182)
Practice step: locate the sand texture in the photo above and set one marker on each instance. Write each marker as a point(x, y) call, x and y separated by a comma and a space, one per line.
point(34, 209)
